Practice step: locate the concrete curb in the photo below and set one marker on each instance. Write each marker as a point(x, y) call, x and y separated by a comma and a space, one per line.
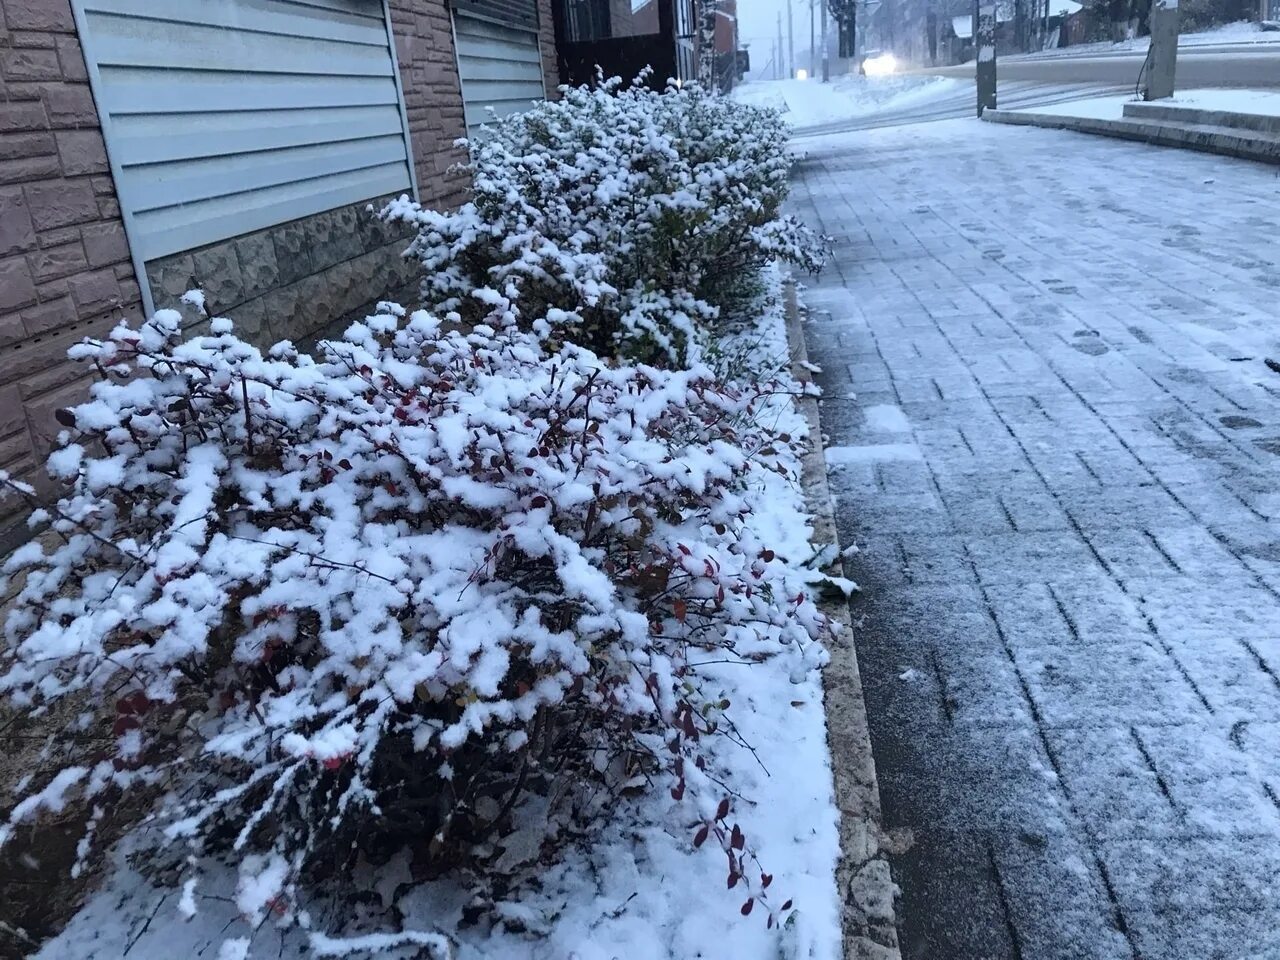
point(1158, 110)
point(1221, 140)
point(867, 890)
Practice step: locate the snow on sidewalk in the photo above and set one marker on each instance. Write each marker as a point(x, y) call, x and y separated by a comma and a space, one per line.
point(641, 892)
point(1069, 644)
point(1262, 102)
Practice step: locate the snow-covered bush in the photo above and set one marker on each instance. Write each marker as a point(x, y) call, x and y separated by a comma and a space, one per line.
point(621, 215)
point(388, 596)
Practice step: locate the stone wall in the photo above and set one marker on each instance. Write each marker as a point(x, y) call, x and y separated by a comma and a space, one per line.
point(64, 261)
point(296, 279)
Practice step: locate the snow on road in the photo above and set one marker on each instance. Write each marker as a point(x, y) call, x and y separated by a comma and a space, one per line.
point(1241, 32)
point(1069, 645)
point(807, 103)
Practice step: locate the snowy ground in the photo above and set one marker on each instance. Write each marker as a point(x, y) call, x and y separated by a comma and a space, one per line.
point(1061, 467)
point(1266, 102)
point(807, 103)
point(1245, 31)
point(641, 893)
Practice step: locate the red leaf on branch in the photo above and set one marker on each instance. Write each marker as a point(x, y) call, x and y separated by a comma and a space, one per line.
point(746, 907)
point(681, 609)
point(700, 837)
point(722, 811)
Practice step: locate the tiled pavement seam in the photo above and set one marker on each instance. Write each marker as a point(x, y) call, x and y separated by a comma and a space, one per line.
point(863, 880)
point(1060, 468)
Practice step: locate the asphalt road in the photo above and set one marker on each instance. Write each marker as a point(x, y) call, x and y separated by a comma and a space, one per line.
point(959, 102)
point(1026, 82)
point(1228, 65)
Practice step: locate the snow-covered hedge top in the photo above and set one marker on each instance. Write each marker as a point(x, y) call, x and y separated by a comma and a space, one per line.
point(619, 214)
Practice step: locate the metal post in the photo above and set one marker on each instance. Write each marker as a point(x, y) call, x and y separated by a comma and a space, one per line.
point(826, 52)
point(984, 45)
point(1162, 60)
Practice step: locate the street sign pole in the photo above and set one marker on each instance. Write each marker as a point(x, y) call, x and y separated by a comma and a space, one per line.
point(984, 45)
point(1162, 60)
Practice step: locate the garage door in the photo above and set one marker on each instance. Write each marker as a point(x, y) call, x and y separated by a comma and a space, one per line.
point(498, 59)
point(228, 116)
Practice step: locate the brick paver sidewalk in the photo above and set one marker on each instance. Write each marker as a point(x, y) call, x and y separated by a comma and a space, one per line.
point(1061, 466)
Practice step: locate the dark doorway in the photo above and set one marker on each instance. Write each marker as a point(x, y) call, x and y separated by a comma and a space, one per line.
point(622, 37)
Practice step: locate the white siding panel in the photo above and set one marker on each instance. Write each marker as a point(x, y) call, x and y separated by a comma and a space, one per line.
point(152, 139)
point(181, 228)
point(500, 68)
point(174, 184)
point(160, 44)
point(256, 16)
point(228, 116)
point(133, 91)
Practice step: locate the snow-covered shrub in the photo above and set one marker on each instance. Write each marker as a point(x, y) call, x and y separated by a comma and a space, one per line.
point(382, 597)
point(619, 214)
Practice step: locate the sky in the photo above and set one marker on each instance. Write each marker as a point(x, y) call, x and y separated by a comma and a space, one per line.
point(758, 24)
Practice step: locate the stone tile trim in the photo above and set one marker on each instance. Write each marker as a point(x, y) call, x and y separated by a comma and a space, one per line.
point(866, 889)
point(65, 270)
point(296, 279)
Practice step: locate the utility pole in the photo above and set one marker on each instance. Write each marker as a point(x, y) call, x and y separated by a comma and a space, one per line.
point(1162, 60)
point(813, 38)
point(791, 41)
point(984, 45)
point(826, 49)
point(781, 47)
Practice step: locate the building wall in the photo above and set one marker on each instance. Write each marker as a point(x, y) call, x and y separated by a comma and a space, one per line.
point(64, 261)
point(547, 38)
point(726, 27)
point(65, 271)
point(432, 95)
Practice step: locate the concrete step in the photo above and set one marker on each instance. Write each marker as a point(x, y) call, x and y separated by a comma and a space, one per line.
point(1259, 122)
point(1208, 138)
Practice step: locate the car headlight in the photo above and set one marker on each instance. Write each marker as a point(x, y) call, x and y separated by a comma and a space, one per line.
point(880, 66)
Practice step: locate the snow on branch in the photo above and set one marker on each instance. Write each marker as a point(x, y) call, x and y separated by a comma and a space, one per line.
point(616, 217)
